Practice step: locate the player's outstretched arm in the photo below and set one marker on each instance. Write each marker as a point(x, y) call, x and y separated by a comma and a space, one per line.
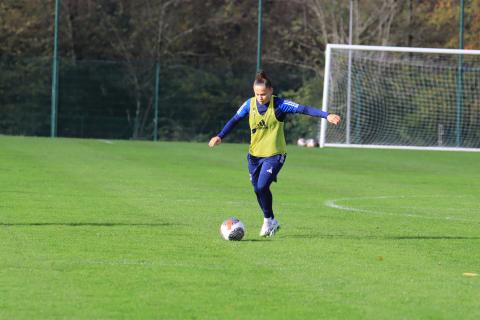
point(229, 126)
point(333, 118)
point(289, 106)
point(214, 141)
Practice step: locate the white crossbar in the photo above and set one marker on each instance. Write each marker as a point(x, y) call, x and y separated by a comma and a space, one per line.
point(402, 49)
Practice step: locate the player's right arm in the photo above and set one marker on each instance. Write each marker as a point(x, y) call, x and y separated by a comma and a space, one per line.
point(241, 113)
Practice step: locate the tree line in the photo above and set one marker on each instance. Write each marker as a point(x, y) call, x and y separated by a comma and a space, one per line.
point(206, 51)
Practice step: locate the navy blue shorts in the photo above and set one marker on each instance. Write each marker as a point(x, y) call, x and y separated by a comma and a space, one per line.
point(265, 169)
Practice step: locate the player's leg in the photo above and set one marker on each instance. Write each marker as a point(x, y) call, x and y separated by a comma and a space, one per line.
point(264, 196)
point(262, 190)
point(268, 173)
point(254, 167)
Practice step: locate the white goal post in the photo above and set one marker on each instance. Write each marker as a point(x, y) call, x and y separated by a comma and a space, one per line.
point(402, 98)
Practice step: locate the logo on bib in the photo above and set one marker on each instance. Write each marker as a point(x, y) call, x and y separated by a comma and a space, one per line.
point(260, 126)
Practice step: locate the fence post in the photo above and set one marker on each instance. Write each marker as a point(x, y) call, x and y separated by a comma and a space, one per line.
point(157, 89)
point(53, 120)
point(259, 36)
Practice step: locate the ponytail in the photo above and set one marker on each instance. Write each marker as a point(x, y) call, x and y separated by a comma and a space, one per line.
point(261, 79)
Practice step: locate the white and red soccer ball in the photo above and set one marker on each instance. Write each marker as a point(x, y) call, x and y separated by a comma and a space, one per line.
point(232, 229)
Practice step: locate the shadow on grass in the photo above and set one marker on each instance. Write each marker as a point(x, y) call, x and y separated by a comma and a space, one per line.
point(353, 237)
point(88, 224)
point(431, 238)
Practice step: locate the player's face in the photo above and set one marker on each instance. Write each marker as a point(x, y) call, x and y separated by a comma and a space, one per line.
point(263, 94)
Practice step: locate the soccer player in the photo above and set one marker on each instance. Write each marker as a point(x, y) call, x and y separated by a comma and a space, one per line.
point(267, 153)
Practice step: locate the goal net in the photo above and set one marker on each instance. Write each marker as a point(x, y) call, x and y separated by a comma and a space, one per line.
point(393, 97)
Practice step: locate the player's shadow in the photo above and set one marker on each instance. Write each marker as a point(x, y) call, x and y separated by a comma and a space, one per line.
point(355, 237)
point(87, 224)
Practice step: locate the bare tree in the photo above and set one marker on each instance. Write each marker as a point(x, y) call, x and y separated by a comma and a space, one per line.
point(327, 22)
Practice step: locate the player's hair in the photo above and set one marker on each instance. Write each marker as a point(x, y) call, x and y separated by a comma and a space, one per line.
point(261, 79)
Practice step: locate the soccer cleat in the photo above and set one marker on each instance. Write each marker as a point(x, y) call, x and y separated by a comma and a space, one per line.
point(264, 229)
point(274, 227)
point(269, 228)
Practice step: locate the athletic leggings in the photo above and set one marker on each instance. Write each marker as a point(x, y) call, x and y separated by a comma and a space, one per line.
point(263, 171)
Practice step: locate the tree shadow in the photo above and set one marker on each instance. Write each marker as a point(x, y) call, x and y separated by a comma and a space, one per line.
point(88, 224)
point(431, 238)
point(354, 237)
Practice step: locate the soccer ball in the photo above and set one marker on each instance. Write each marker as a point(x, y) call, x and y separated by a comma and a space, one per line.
point(301, 142)
point(232, 229)
point(311, 143)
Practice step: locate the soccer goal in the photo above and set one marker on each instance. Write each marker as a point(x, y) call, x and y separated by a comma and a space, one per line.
point(405, 98)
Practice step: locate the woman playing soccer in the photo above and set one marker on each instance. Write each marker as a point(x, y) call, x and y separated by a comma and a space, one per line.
point(267, 152)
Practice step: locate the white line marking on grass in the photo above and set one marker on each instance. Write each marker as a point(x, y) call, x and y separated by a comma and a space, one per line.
point(105, 141)
point(334, 203)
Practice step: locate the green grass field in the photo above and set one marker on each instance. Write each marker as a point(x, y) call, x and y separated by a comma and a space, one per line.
point(96, 230)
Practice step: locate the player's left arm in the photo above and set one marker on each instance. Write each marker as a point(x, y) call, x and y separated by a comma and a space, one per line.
point(289, 106)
